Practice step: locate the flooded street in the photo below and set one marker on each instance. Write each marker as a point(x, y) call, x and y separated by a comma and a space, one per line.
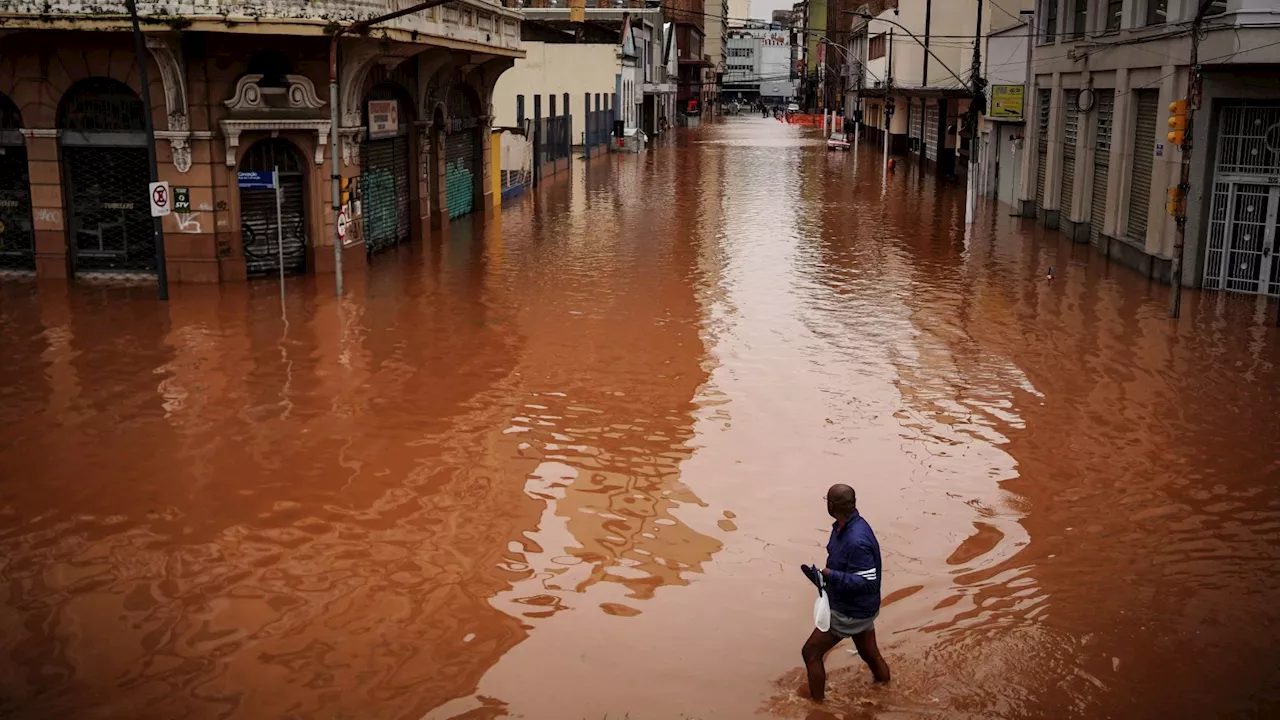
point(567, 464)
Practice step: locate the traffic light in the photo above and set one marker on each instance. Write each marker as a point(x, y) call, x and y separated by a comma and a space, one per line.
point(344, 191)
point(1178, 122)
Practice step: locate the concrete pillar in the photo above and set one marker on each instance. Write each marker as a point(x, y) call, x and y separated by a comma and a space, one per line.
point(1167, 167)
point(1053, 162)
point(1122, 120)
point(49, 220)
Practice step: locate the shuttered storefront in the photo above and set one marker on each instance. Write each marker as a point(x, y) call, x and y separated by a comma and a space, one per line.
point(259, 231)
point(1101, 164)
point(17, 239)
point(1244, 216)
point(1042, 143)
point(931, 131)
point(1067, 176)
point(384, 175)
point(916, 124)
point(104, 166)
point(461, 148)
point(1144, 141)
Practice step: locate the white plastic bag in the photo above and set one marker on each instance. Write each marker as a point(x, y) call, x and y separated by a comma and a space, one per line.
point(822, 610)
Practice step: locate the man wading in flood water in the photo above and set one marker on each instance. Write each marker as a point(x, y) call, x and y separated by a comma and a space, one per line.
point(852, 580)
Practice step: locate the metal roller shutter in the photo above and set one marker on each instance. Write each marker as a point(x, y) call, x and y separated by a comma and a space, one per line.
point(17, 239)
point(460, 171)
point(1101, 164)
point(1067, 177)
point(931, 132)
point(1042, 143)
point(110, 218)
point(384, 192)
point(1144, 148)
point(258, 228)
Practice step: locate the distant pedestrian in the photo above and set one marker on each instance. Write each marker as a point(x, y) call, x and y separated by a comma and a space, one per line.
point(851, 579)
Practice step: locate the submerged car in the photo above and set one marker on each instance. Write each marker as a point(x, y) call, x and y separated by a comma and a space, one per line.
point(838, 141)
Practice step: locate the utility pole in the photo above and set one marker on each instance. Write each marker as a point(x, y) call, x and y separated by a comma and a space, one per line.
point(1184, 179)
point(157, 222)
point(888, 99)
point(335, 168)
point(977, 106)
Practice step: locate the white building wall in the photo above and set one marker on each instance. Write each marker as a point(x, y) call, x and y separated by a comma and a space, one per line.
point(555, 69)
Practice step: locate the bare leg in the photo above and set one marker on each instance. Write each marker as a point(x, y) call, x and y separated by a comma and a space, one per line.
point(814, 653)
point(865, 641)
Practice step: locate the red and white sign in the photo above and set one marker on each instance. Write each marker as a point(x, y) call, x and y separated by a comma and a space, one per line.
point(384, 119)
point(342, 224)
point(161, 199)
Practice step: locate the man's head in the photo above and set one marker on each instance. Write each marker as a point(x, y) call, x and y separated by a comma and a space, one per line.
point(841, 501)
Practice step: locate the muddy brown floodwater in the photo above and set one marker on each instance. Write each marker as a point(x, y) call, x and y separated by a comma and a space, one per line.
point(566, 466)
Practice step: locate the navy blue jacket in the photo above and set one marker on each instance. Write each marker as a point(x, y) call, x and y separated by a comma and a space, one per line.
point(853, 557)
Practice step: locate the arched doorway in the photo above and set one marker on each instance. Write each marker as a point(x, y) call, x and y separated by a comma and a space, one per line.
point(17, 235)
point(259, 231)
point(385, 183)
point(104, 167)
point(463, 167)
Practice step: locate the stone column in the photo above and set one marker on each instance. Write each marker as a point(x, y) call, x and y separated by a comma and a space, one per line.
point(49, 219)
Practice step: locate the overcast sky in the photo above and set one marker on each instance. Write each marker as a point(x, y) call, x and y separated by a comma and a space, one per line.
point(763, 9)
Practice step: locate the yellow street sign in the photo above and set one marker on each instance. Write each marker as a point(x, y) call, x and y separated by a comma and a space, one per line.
point(1006, 102)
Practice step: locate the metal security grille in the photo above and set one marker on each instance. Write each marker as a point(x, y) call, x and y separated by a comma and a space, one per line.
point(1067, 176)
point(384, 192)
point(104, 160)
point(1241, 247)
point(931, 132)
point(258, 227)
point(1042, 143)
point(1101, 163)
point(1144, 148)
point(459, 172)
point(110, 221)
point(17, 239)
point(1249, 140)
point(384, 176)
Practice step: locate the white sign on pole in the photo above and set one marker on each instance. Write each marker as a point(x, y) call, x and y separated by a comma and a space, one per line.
point(161, 199)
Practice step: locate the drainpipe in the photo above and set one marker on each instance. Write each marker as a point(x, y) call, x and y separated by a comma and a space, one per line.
point(334, 117)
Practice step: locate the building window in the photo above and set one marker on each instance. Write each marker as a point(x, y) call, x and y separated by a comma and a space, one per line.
point(1115, 10)
point(1049, 26)
point(1157, 11)
point(519, 109)
point(1080, 18)
point(875, 50)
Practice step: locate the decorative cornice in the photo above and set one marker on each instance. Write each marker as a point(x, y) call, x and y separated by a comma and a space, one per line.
point(250, 96)
point(231, 130)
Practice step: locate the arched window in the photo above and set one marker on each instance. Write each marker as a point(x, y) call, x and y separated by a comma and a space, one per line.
point(101, 104)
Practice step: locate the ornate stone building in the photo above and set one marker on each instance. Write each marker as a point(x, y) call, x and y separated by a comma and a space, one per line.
point(237, 88)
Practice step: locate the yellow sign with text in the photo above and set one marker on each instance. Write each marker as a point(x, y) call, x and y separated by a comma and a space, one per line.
point(1006, 102)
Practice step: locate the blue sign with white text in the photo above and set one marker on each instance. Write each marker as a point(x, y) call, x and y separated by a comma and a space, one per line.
point(258, 179)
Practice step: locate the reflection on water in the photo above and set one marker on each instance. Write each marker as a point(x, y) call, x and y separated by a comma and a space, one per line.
point(565, 464)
